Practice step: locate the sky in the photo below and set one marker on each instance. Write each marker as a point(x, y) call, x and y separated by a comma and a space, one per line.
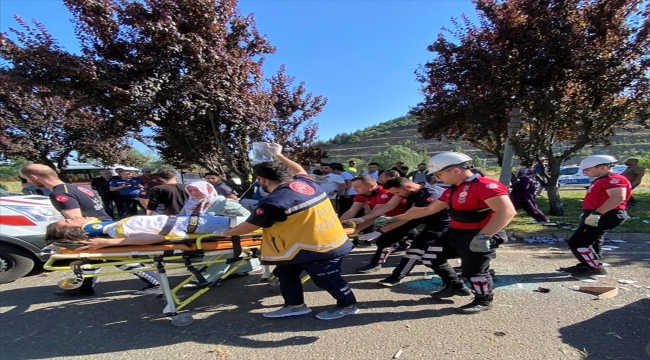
point(361, 55)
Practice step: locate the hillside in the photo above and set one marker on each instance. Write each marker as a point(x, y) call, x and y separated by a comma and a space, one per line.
point(364, 143)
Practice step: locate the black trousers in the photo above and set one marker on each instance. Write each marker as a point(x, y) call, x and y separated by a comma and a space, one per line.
point(592, 237)
point(416, 251)
point(455, 243)
point(326, 274)
point(387, 239)
point(344, 203)
point(127, 205)
point(107, 202)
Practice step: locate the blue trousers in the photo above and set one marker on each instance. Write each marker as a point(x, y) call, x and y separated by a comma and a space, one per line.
point(326, 274)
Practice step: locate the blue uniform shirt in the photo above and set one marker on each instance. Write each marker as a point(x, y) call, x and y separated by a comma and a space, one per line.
point(132, 189)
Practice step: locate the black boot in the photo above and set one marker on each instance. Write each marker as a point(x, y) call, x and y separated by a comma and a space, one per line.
point(480, 303)
point(452, 289)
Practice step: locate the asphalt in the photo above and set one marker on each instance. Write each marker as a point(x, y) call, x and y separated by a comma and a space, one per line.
point(399, 322)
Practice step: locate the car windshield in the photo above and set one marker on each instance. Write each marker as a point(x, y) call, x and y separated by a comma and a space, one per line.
point(569, 170)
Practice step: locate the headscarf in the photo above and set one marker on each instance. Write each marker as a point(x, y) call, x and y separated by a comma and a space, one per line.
point(200, 206)
point(524, 172)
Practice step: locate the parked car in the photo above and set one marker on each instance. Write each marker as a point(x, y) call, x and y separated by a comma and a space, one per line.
point(23, 219)
point(572, 176)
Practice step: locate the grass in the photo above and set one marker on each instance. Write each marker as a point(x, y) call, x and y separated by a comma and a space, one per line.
point(14, 186)
point(572, 202)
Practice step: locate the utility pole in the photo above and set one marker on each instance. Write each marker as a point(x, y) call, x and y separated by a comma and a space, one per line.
point(509, 152)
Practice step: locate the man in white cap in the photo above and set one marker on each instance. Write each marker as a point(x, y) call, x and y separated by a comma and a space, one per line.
point(479, 208)
point(603, 209)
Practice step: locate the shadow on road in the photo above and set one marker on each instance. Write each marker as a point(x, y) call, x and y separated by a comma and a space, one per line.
point(623, 333)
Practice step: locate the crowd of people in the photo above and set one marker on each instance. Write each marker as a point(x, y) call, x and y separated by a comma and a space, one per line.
point(442, 210)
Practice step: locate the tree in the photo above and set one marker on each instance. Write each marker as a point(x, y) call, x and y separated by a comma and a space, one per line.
point(189, 70)
point(192, 70)
point(41, 118)
point(388, 157)
point(577, 69)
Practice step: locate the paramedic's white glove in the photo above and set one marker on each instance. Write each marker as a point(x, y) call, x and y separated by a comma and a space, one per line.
point(274, 149)
point(220, 232)
point(592, 219)
point(356, 220)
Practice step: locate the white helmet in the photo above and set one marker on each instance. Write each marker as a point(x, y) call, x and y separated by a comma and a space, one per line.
point(595, 160)
point(446, 159)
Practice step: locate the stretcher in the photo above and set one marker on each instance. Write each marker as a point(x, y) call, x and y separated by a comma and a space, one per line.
point(230, 255)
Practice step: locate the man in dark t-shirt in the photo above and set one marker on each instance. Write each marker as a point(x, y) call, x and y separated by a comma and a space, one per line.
point(71, 199)
point(166, 199)
point(221, 187)
point(74, 202)
point(102, 185)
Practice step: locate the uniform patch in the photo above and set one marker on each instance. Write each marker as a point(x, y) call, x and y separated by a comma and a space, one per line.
point(462, 197)
point(491, 186)
point(143, 193)
point(86, 191)
point(614, 181)
point(302, 188)
point(431, 199)
point(61, 198)
point(259, 211)
point(384, 196)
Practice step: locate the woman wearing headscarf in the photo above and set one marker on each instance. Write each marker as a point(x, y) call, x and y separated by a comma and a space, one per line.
point(203, 199)
point(523, 195)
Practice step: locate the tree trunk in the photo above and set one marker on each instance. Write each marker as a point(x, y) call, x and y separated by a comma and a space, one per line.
point(554, 200)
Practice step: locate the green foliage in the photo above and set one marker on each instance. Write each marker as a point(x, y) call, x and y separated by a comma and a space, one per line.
point(478, 161)
point(388, 157)
point(383, 128)
point(10, 171)
point(645, 161)
point(569, 71)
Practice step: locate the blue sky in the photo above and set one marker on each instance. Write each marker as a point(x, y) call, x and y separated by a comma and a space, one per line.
point(361, 55)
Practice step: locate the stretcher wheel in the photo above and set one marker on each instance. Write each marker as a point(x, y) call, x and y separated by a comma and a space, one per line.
point(274, 282)
point(70, 283)
point(181, 320)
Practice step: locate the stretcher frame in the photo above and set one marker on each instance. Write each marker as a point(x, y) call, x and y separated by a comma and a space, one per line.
point(171, 254)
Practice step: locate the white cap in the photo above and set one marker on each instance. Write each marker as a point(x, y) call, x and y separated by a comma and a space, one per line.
point(443, 160)
point(595, 160)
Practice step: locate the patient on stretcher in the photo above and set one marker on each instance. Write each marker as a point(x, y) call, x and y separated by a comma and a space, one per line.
point(135, 230)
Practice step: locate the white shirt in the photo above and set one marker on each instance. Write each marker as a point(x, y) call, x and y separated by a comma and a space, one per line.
point(347, 176)
point(374, 175)
point(330, 183)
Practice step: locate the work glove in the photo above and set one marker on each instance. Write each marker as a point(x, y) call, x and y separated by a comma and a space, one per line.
point(274, 149)
point(348, 224)
point(592, 219)
point(480, 243)
point(383, 220)
point(370, 236)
